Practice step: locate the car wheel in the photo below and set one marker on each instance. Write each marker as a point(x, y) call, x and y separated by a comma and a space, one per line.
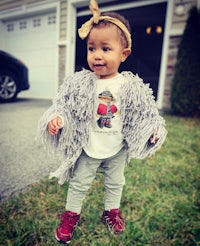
point(8, 87)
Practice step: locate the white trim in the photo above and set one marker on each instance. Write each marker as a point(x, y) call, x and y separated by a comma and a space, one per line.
point(28, 9)
point(71, 38)
point(57, 5)
point(31, 9)
point(2, 42)
point(85, 3)
point(163, 69)
point(123, 6)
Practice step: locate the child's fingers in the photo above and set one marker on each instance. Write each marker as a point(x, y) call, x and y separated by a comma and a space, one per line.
point(54, 122)
point(154, 138)
point(59, 121)
point(53, 127)
point(52, 132)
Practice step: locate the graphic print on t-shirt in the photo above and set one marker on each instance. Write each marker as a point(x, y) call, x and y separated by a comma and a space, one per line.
point(105, 132)
point(106, 109)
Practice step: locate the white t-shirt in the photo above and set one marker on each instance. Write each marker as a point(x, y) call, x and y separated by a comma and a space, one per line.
point(105, 137)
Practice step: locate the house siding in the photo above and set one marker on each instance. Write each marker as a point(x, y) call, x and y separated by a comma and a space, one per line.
point(10, 4)
point(62, 40)
point(177, 27)
point(63, 20)
point(62, 61)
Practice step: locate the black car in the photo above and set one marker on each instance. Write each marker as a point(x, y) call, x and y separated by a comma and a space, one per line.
point(13, 77)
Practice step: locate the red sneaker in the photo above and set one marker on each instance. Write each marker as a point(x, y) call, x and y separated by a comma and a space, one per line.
point(113, 220)
point(64, 232)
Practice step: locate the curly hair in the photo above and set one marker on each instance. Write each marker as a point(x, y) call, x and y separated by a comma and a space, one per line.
point(120, 18)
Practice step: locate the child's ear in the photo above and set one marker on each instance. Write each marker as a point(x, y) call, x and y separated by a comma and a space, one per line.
point(125, 53)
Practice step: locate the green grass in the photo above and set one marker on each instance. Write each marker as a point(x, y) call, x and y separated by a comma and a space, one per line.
point(160, 202)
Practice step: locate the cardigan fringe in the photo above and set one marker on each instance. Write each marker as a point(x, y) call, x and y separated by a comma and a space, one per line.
point(76, 102)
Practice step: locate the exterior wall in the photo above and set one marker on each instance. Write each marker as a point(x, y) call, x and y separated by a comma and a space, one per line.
point(62, 61)
point(177, 28)
point(63, 20)
point(62, 40)
point(172, 54)
point(5, 5)
point(9, 4)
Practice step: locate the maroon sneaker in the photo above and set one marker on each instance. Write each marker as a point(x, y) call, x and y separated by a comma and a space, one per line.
point(64, 232)
point(113, 220)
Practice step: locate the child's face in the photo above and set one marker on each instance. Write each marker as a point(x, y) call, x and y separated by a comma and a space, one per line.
point(105, 51)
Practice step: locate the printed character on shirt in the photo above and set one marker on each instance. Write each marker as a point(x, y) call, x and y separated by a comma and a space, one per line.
point(106, 109)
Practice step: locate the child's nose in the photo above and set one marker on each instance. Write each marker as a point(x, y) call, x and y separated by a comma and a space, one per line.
point(98, 55)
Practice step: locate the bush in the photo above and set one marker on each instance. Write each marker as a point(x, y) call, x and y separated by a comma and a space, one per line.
point(185, 95)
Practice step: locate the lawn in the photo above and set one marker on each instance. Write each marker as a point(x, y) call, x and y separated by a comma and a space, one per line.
point(160, 202)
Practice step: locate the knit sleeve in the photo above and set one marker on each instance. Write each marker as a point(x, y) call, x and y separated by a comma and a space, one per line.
point(142, 118)
point(58, 108)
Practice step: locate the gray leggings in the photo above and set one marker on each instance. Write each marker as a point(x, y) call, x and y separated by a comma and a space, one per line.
point(85, 172)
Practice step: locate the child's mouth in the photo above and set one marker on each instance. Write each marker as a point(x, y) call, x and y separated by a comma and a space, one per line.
point(99, 65)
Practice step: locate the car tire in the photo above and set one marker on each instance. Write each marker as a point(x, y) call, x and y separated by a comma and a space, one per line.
point(8, 87)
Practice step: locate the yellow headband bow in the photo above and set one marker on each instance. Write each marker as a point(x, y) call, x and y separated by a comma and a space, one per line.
point(88, 25)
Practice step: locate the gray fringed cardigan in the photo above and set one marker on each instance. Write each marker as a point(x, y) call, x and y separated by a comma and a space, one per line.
point(76, 103)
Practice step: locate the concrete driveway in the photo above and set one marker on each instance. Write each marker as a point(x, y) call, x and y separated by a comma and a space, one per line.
point(22, 160)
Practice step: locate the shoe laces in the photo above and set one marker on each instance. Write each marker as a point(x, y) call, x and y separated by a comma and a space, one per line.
point(114, 218)
point(69, 219)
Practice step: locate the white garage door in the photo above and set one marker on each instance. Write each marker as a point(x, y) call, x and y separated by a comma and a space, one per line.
point(33, 40)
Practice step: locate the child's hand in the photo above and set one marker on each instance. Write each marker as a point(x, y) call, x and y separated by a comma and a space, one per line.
point(154, 138)
point(54, 125)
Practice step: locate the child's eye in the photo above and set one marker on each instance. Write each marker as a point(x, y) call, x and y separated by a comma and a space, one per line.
point(91, 49)
point(106, 49)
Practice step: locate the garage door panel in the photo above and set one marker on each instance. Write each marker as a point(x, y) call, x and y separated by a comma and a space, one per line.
point(33, 40)
point(42, 57)
point(46, 77)
point(42, 91)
